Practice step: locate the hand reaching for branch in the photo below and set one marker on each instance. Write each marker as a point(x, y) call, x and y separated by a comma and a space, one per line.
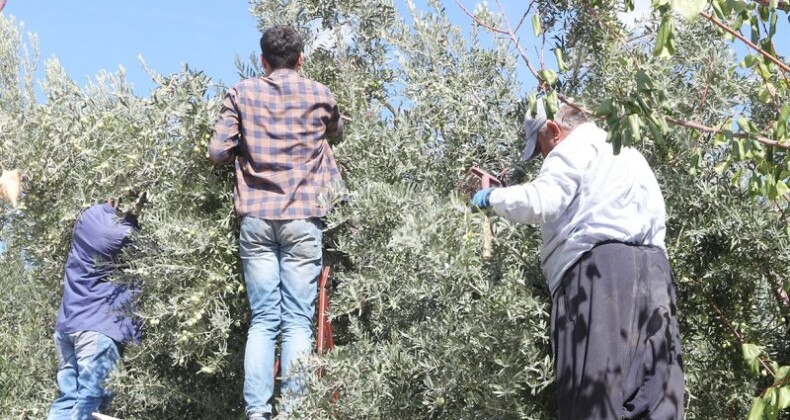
point(10, 186)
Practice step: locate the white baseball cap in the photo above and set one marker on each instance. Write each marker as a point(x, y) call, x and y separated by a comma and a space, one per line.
point(533, 124)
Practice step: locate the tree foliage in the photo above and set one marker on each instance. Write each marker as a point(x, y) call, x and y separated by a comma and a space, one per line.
point(426, 328)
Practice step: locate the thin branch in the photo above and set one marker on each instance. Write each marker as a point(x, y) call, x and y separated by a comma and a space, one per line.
point(781, 297)
point(478, 21)
point(389, 107)
point(513, 38)
point(770, 39)
point(614, 31)
point(732, 328)
point(738, 335)
point(674, 121)
point(692, 125)
point(727, 321)
point(707, 84)
point(781, 209)
point(542, 49)
point(704, 128)
point(523, 18)
point(765, 82)
point(743, 39)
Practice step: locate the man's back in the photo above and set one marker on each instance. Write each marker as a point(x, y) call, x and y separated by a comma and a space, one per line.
point(603, 221)
point(618, 198)
point(275, 130)
point(90, 301)
point(276, 127)
point(585, 195)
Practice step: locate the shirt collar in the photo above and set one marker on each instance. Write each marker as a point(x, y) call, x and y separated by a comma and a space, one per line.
point(584, 132)
point(282, 73)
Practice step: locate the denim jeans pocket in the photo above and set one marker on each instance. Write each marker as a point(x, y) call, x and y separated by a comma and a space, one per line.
point(303, 238)
point(64, 349)
point(256, 237)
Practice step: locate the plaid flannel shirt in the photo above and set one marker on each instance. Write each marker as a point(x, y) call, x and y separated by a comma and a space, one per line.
point(275, 130)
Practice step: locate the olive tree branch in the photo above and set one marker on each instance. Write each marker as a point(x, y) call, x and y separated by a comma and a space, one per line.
point(674, 121)
point(478, 21)
point(521, 22)
point(692, 125)
point(707, 129)
point(707, 84)
point(509, 32)
point(785, 68)
point(738, 335)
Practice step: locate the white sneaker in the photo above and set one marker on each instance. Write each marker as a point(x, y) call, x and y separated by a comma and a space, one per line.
point(99, 416)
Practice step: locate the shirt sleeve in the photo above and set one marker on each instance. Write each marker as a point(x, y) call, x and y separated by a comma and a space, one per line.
point(224, 143)
point(122, 228)
point(548, 196)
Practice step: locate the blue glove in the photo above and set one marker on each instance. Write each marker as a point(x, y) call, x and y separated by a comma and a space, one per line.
point(480, 198)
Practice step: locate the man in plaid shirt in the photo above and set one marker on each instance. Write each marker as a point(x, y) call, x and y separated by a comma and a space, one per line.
point(274, 130)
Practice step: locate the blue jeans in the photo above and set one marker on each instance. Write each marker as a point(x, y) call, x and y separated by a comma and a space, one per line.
point(85, 360)
point(281, 260)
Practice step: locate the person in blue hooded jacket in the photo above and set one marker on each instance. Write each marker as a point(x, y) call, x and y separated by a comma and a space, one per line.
point(95, 319)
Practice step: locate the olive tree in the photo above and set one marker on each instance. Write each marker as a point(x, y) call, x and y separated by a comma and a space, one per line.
point(425, 327)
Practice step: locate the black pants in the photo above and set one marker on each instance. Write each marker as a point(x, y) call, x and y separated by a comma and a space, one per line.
point(615, 336)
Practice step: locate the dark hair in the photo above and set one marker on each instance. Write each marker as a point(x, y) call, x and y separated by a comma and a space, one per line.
point(281, 46)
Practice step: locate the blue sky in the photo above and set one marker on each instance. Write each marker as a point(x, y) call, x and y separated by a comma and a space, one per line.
point(90, 35)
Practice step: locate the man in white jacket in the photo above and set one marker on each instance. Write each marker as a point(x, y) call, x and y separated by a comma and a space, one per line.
point(614, 328)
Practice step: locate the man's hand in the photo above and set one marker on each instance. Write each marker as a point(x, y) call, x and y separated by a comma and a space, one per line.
point(139, 203)
point(480, 198)
point(10, 186)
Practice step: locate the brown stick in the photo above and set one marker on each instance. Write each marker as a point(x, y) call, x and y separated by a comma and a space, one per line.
point(488, 239)
point(487, 180)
